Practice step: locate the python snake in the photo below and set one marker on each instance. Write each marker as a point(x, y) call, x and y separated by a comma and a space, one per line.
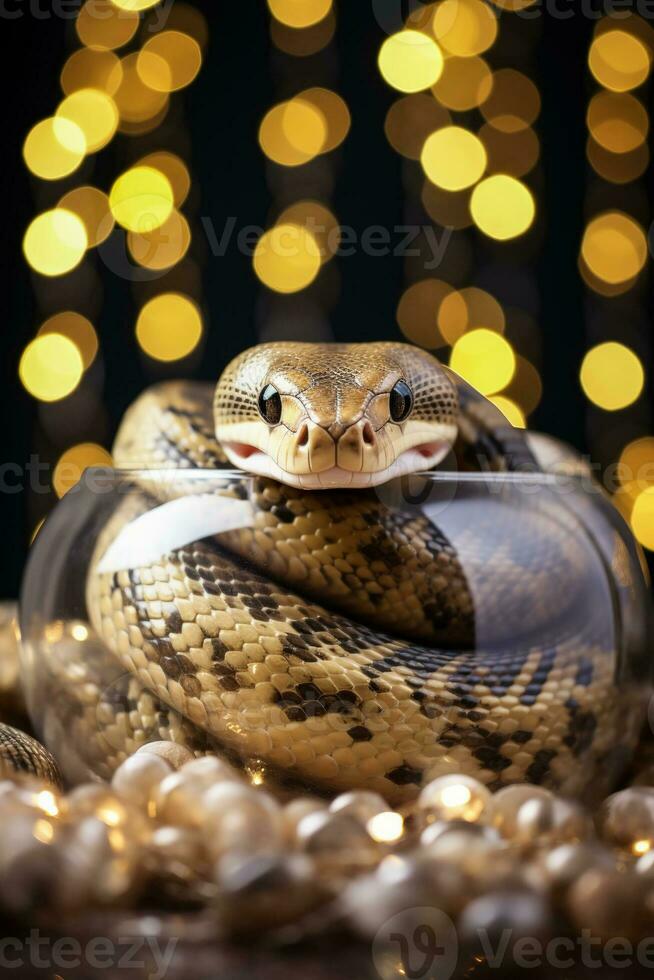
point(344, 633)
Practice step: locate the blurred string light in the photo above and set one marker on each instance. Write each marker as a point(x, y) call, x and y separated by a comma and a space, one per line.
point(470, 126)
point(613, 256)
point(118, 83)
point(295, 133)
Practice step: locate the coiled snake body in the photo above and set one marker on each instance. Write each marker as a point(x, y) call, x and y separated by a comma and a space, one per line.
point(344, 636)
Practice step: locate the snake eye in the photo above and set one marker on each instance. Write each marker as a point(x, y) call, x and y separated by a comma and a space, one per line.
point(270, 405)
point(401, 401)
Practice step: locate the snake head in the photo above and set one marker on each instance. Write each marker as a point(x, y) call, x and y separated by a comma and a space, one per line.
point(324, 416)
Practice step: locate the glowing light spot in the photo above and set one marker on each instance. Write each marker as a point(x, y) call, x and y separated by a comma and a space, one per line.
point(92, 68)
point(299, 13)
point(141, 199)
point(95, 113)
point(636, 465)
point(642, 518)
point(174, 169)
point(287, 258)
point(511, 412)
point(43, 831)
point(619, 61)
point(77, 328)
point(137, 5)
point(464, 27)
point(54, 148)
point(513, 103)
point(612, 376)
point(47, 801)
point(162, 247)
point(453, 158)
point(502, 207)
point(102, 25)
point(485, 359)
point(51, 367)
point(292, 133)
point(410, 61)
point(614, 247)
point(334, 112)
point(169, 327)
point(418, 310)
point(410, 120)
point(617, 121)
point(641, 847)
point(319, 222)
point(455, 796)
point(386, 828)
point(92, 207)
point(468, 309)
point(79, 632)
point(465, 83)
point(55, 242)
point(70, 469)
point(169, 61)
point(140, 107)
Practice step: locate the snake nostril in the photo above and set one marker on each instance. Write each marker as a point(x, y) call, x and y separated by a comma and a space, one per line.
point(303, 435)
point(368, 435)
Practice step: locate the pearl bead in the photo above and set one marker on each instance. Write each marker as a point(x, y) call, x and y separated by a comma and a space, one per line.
point(454, 797)
point(178, 799)
point(175, 755)
point(28, 863)
point(211, 769)
point(518, 914)
point(360, 804)
point(626, 819)
point(506, 803)
point(564, 864)
point(178, 849)
point(612, 903)
point(338, 839)
point(236, 817)
point(458, 845)
point(95, 800)
point(552, 821)
point(99, 865)
point(136, 778)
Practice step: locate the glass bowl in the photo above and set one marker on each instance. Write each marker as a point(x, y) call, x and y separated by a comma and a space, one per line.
point(493, 624)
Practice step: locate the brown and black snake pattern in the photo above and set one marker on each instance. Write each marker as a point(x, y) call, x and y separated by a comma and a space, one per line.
point(341, 639)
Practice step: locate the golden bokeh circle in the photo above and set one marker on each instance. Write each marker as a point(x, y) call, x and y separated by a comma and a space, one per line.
point(51, 367)
point(76, 328)
point(54, 148)
point(417, 312)
point(169, 327)
point(94, 112)
point(169, 61)
point(410, 120)
point(410, 61)
point(299, 13)
point(287, 258)
point(502, 207)
point(55, 242)
point(614, 247)
point(464, 27)
point(72, 464)
point(485, 359)
point(141, 199)
point(102, 25)
point(92, 206)
point(612, 376)
point(619, 61)
point(453, 158)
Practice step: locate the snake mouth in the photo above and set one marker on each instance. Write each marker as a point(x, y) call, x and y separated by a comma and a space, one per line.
point(425, 456)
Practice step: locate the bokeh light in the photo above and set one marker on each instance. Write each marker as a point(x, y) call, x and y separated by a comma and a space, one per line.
point(94, 112)
point(141, 199)
point(618, 168)
point(303, 43)
point(137, 5)
point(502, 207)
point(169, 327)
point(102, 25)
point(612, 376)
point(287, 258)
point(169, 61)
point(410, 61)
point(468, 309)
point(464, 27)
point(92, 206)
point(465, 83)
point(514, 101)
point(515, 153)
point(636, 467)
point(55, 242)
point(51, 367)
point(485, 359)
point(319, 221)
point(453, 158)
point(74, 461)
point(335, 114)
point(417, 312)
point(642, 518)
point(525, 387)
point(410, 120)
point(162, 247)
point(617, 121)
point(292, 133)
point(174, 169)
point(76, 328)
point(619, 61)
point(299, 13)
point(92, 68)
point(140, 107)
point(511, 412)
point(614, 247)
point(54, 148)
point(451, 209)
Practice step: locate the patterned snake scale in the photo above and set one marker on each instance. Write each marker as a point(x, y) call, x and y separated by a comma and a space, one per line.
point(336, 638)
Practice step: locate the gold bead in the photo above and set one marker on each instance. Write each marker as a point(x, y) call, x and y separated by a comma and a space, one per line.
point(454, 797)
point(626, 820)
point(506, 803)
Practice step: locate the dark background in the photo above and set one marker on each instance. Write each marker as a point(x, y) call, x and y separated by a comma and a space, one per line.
point(222, 110)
